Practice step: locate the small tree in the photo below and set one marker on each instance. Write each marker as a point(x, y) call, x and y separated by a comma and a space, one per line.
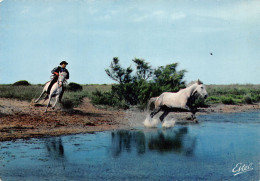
point(146, 82)
point(168, 78)
point(117, 73)
point(143, 69)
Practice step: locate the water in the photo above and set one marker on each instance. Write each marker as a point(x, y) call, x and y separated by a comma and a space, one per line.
point(209, 150)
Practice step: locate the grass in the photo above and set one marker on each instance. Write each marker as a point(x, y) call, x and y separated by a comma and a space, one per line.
point(225, 94)
point(233, 94)
point(73, 99)
point(70, 99)
point(26, 93)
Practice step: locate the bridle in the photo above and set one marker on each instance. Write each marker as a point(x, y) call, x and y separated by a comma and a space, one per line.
point(194, 93)
point(60, 83)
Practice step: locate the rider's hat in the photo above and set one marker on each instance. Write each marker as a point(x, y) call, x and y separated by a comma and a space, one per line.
point(64, 62)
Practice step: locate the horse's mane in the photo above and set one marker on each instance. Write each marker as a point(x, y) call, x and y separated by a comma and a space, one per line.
point(63, 73)
point(194, 82)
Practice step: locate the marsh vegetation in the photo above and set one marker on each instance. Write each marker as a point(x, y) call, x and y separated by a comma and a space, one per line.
point(135, 86)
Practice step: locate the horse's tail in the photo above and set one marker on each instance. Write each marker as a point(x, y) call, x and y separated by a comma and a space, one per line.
point(150, 104)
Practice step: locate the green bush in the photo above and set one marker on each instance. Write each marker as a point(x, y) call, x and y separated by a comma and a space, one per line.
point(21, 83)
point(228, 100)
point(75, 97)
point(248, 99)
point(108, 98)
point(201, 103)
point(136, 88)
point(74, 87)
point(256, 98)
point(213, 99)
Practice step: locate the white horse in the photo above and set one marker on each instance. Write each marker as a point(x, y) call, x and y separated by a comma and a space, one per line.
point(182, 100)
point(55, 90)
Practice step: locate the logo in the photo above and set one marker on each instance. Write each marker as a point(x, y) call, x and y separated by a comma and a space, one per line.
point(242, 168)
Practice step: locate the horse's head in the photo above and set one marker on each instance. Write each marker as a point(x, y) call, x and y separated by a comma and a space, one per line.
point(62, 78)
point(200, 90)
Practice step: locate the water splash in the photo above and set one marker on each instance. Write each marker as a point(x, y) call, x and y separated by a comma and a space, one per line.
point(151, 122)
point(169, 123)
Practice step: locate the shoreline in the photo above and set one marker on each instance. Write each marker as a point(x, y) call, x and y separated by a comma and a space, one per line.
point(22, 120)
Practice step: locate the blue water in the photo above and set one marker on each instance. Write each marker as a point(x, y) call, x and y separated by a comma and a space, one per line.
point(205, 151)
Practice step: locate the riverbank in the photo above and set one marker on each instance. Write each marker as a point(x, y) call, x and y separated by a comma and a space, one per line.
point(21, 119)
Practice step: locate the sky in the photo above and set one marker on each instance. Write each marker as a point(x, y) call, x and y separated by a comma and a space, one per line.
point(216, 41)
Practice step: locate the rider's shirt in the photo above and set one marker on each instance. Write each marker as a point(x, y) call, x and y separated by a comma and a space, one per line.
point(60, 69)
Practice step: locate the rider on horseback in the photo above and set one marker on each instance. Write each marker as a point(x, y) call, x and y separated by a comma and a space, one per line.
point(55, 72)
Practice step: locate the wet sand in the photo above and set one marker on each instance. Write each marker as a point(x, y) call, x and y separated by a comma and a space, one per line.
point(21, 119)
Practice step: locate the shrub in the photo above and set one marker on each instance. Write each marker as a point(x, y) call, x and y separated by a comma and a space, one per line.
point(74, 87)
point(21, 83)
point(228, 100)
point(108, 98)
point(248, 99)
point(213, 99)
point(67, 104)
point(75, 98)
point(201, 103)
point(137, 88)
point(256, 98)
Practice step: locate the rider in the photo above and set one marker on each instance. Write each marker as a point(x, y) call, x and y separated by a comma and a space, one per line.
point(55, 72)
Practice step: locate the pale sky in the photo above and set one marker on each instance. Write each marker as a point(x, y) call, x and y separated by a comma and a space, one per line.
point(35, 36)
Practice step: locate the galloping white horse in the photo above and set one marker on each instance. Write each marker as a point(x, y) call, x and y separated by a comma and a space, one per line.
point(169, 101)
point(55, 90)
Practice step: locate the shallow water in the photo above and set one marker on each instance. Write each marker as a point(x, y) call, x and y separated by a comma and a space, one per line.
point(209, 150)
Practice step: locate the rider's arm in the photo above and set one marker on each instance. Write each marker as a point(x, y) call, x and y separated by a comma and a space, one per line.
point(68, 74)
point(55, 71)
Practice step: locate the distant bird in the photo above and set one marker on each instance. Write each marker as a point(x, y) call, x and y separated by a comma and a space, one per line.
point(211, 53)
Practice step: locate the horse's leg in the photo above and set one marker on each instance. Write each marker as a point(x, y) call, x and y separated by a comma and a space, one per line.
point(193, 116)
point(193, 112)
point(61, 94)
point(155, 111)
point(166, 112)
point(43, 91)
point(39, 97)
point(57, 97)
point(48, 103)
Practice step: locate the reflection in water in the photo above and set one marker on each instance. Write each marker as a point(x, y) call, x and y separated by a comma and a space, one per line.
point(55, 148)
point(178, 142)
point(124, 140)
point(171, 140)
point(55, 151)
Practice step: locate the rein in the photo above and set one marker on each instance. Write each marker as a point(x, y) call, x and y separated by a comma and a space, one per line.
point(62, 82)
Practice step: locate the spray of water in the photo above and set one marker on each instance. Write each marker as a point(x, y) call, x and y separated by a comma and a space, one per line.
point(151, 122)
point(169, 123)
